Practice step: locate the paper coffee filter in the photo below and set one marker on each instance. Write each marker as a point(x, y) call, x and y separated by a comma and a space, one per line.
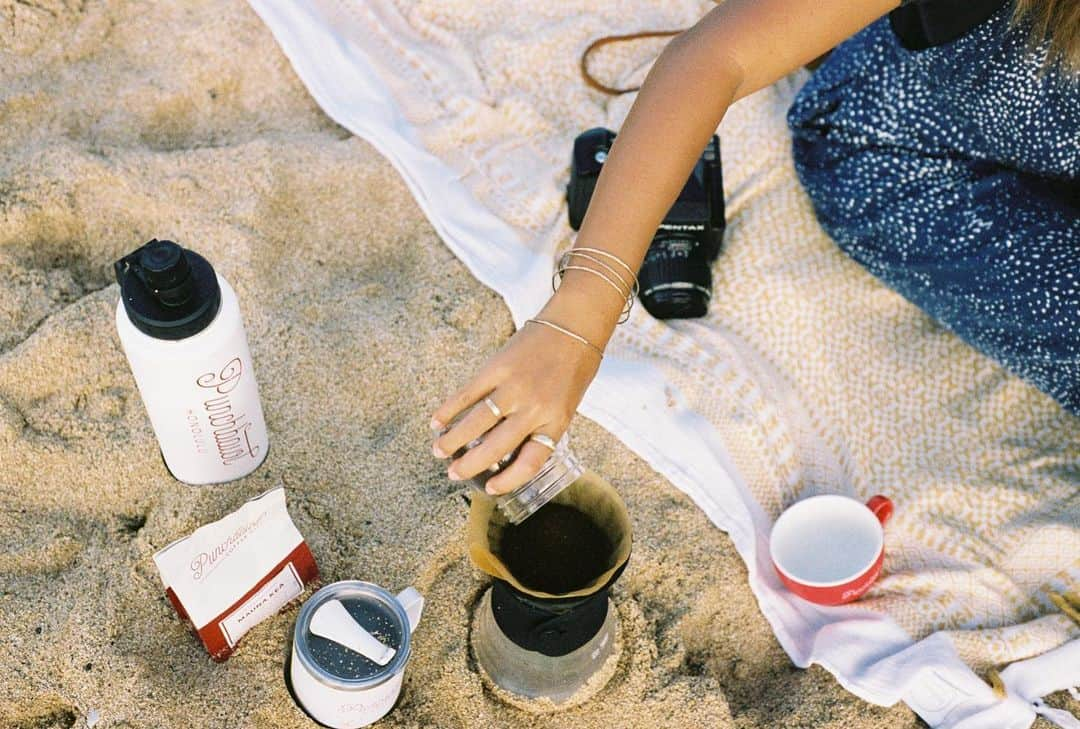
point(590, 494)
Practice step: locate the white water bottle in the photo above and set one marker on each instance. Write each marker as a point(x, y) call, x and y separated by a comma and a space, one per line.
point(180, 327)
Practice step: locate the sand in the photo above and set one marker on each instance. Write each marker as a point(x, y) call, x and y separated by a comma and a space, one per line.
point(124, 121)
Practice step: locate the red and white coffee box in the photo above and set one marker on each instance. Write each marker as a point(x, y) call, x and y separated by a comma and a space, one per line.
point(228, 576)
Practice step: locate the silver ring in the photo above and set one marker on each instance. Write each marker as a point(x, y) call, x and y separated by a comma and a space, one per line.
point(493, 407)
point(543, 440)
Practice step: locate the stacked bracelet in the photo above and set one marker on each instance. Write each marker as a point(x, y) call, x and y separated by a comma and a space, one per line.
point(600, 268)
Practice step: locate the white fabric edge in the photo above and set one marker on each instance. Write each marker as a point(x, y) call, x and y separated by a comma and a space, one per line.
point(942, 689)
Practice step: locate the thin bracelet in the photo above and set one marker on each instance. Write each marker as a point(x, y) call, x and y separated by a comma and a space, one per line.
point(631, 290)
point(568, 333)
point(611, 256)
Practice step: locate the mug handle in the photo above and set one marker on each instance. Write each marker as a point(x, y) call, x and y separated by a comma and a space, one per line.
point(882, 507)
point(413, 603)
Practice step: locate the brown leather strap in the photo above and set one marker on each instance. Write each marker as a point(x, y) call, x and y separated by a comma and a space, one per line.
point(605, 40)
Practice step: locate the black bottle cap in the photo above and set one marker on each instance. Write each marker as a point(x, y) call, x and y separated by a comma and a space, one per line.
point(168, 292)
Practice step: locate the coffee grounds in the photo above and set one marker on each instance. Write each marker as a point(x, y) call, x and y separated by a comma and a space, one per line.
point(556, 550)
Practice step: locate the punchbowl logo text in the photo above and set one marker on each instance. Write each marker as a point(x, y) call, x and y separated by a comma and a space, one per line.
point(229, 428)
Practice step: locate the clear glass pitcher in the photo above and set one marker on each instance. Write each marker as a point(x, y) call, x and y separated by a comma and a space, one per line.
point(560, 470)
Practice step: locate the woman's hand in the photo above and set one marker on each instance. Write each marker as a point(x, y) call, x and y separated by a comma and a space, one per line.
point(536, 381)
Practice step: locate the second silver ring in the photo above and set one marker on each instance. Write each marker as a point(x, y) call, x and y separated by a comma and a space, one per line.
point(544, 440)
point(493, 408)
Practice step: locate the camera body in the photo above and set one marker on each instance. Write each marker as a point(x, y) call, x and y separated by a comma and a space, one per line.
point(676, 275)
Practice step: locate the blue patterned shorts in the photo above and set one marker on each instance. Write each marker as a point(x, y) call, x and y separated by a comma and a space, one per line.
point(953, 175)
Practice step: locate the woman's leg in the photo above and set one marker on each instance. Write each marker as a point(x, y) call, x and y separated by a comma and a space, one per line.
point(991, 253)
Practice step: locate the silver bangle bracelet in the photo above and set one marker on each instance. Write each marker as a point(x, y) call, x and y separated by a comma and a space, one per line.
point(612, 257)
point(628, 301)
point(628, 291)
point(567, 258)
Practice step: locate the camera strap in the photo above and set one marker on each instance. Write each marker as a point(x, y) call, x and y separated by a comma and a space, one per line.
point(608, 39)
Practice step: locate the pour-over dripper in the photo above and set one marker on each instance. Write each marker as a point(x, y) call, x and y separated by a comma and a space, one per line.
point(539, 643)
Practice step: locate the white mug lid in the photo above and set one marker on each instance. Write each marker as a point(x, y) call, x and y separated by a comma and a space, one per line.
point(377, 612)
point(333, 621)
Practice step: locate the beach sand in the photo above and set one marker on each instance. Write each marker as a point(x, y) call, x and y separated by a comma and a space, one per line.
point(124, 121)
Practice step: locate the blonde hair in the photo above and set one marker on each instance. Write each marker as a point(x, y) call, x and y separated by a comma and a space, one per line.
point(1057, 21)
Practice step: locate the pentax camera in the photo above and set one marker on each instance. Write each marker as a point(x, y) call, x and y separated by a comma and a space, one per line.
point(676, 275)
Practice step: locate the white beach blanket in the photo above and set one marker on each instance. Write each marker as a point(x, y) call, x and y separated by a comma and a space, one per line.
point(806, 377)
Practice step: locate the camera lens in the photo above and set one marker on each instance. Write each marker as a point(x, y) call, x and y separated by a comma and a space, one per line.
point(675, 277)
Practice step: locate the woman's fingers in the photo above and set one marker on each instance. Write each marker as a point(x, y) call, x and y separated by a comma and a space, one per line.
point(526, 465)
point(535, 383)
point(474, 390)
point(496, 444)
point(479, 420)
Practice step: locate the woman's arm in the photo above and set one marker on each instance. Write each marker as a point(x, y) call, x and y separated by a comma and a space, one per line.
point(539, 378)
point(737, 48)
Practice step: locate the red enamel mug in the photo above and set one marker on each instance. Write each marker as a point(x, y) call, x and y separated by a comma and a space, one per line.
point(829, 549)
